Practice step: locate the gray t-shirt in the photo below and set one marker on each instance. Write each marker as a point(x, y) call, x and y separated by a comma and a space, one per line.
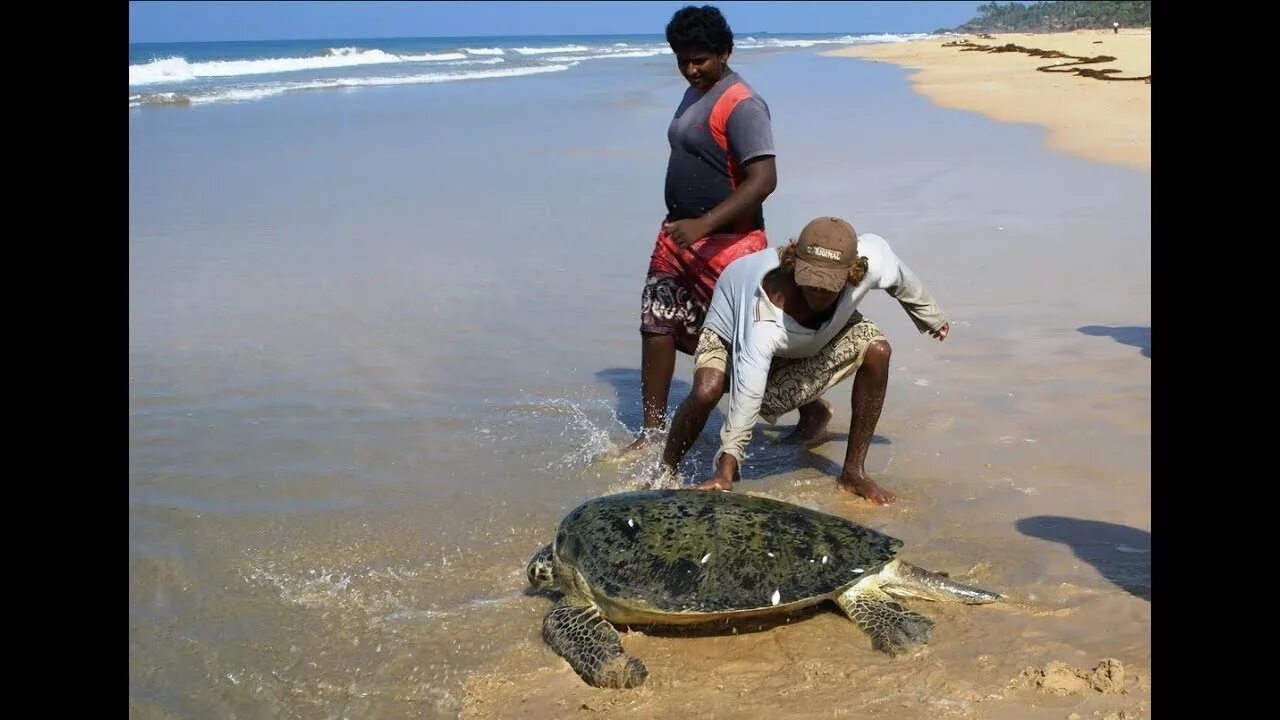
point(712, 135)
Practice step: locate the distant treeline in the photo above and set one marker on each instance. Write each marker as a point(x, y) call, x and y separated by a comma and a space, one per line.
point(1063, 15)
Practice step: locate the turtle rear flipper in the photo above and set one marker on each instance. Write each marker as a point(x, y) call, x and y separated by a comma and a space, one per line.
point(592, 646)
point(892, 627)
point(906, 580)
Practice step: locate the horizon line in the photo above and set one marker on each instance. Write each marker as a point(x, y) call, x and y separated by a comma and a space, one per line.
point(736, 35)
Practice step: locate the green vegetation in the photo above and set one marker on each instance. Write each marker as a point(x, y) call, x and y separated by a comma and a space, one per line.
point(1049, 16)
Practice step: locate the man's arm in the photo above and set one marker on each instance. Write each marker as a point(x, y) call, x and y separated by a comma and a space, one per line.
point(917, 301)
point(752, 357)
point(761, 180)
point(902, 284)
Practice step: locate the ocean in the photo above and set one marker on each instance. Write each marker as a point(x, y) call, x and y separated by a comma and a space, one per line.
point(207, 72)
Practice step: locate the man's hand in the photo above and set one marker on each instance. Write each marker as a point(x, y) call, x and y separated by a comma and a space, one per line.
point(715, 483)
point(941, 333)
point(687, 232)
point(726, 471)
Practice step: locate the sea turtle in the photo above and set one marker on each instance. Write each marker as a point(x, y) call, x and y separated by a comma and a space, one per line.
point(679, 557)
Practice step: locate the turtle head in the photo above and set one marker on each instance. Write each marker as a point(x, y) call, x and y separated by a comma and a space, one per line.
point(542, 574)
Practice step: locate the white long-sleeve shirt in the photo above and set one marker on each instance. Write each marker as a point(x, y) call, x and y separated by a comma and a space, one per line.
point(756, 330)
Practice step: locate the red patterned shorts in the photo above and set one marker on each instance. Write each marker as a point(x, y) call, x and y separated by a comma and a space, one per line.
point(680, 282)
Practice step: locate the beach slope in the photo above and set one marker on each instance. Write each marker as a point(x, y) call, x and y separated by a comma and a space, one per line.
point(1104, 120)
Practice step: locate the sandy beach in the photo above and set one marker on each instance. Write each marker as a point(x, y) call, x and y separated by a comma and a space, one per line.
point(1103, 120)
point(381, 334)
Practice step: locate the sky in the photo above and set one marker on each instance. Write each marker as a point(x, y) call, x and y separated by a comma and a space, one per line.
point(203, 21)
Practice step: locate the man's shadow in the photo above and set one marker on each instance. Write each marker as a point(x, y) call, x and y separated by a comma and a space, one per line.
point(1122, 554)
point(1137, 336)
point(764, 438)
point(628, 406)
point(825, 464)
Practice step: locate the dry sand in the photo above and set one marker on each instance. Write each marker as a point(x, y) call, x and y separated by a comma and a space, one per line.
point(1104, 120)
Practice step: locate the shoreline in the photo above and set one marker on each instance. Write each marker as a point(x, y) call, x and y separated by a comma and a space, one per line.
point(1103, 120)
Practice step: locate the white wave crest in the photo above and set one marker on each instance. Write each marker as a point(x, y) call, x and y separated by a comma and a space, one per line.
point(548, 50)
point(178, 69)
point(257, 92)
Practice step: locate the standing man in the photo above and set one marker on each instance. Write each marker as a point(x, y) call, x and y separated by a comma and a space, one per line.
point(720, 171)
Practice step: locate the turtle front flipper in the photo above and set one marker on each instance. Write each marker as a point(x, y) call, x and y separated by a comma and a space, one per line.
point(592, 646)
point(906, 580)
point(892, 627)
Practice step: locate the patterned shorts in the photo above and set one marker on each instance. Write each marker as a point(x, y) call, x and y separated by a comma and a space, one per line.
point(798, 381)
point(681, 280)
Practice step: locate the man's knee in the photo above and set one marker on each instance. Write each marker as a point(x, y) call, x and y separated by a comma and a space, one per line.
point(708, 388)
point(878, 354)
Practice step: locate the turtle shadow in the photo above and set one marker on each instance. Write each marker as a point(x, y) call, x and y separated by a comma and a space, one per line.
point(1137, 336)
point(829, 437)
point(774, 457)
point(732, 626)
point(1122, 554)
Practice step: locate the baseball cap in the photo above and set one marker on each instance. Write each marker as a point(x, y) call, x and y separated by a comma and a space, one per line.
point(826, 249)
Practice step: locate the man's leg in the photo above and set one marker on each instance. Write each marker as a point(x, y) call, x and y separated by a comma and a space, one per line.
point(869, 387)
point(664, 305)
point(657, 365)
point(812, 428)
point(801, 383)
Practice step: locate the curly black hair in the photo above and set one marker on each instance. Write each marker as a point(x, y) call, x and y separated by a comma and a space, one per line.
point(702, 28)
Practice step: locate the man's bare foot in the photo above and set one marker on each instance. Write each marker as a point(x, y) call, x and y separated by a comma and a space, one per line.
point(865, 487)
point(715, 483)
point(647, 437)
point(812, 428)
